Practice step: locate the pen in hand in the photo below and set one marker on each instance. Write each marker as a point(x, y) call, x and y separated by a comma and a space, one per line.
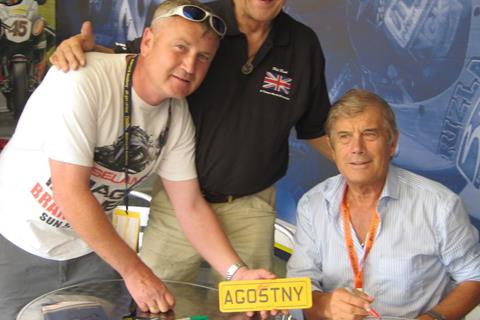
point(369, 309)
point(374, 313)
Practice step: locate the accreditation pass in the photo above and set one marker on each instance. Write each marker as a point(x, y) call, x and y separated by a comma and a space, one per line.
point(256, 295)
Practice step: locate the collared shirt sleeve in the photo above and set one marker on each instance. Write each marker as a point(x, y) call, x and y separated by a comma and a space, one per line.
point(311, 125)
point(306, 258)
point(459, 243)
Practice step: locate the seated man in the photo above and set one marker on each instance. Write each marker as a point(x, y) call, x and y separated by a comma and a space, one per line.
point(377, 237)
point(88, 137)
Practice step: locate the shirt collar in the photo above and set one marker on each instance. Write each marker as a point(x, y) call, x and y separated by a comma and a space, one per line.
point(279, 35)
point(334, 193)
point(391, 187)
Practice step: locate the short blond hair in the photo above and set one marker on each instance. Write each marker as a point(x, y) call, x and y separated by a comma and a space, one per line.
point(355, 102)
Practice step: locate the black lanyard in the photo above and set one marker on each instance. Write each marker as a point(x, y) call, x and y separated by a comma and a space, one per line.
point(127, 119)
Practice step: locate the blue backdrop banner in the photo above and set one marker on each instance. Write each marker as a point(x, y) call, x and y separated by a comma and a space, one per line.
point(422, 56)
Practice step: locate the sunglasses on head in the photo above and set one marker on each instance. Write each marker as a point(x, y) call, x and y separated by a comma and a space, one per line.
point(197, 14)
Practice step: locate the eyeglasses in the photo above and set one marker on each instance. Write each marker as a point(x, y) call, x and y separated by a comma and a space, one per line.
point(197, 14)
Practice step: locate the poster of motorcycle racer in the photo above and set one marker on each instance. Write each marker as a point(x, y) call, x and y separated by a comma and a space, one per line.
point(114, 21)
point(26, 35)
point(420, 55)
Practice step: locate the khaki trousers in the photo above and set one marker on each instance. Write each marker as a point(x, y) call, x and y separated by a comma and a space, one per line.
point(247, 221)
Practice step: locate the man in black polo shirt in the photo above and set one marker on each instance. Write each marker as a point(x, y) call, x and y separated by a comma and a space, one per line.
point(267, 77)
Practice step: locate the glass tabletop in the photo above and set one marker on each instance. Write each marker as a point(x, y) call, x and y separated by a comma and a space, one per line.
point(112, 295)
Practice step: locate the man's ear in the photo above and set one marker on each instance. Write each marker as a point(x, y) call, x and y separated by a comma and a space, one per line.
point(331, 145)
point(330, 142)
point(147, 41)
point(394, 144)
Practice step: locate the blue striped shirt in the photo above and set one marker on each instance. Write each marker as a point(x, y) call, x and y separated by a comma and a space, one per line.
point(424, 246)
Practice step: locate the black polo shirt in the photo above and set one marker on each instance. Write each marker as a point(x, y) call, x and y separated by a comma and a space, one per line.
point(243, 121)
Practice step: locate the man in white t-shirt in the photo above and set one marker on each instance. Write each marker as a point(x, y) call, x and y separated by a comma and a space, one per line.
point(66, 168)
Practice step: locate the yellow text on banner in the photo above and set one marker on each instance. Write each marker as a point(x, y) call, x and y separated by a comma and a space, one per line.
point(256, 295)
point(127, 226)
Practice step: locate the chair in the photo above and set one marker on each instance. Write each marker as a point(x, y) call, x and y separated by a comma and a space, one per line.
point(284, 239)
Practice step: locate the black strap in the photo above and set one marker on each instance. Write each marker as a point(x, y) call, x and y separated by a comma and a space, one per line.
point(127, 124)
point(127, 119)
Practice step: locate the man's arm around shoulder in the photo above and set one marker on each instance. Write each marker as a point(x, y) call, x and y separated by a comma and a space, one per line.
point(70, 54)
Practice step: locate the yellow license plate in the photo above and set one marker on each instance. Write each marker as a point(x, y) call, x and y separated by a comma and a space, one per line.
point(256, 295)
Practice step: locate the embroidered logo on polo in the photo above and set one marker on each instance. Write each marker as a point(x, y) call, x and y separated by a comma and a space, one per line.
point(277, 83)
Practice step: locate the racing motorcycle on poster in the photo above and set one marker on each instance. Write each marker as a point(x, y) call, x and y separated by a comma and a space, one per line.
point(24, 40)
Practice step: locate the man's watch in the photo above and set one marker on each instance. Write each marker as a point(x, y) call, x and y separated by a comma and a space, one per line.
point(436, 315)
point(233, 269)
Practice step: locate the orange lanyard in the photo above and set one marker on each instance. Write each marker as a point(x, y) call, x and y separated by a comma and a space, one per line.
point(372, 232)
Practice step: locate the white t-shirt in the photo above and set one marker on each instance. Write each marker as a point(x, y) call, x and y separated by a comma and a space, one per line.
point(77, 118)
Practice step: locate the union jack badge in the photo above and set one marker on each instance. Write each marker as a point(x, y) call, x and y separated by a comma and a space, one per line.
point(277, 84)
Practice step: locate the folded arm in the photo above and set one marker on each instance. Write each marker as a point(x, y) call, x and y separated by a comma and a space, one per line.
point(460, 252)
point(459, 302)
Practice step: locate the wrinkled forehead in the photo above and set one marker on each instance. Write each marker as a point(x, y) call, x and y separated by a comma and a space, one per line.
point(367, 117)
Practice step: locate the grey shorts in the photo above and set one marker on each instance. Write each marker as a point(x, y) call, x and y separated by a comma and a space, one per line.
point(24, 276)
